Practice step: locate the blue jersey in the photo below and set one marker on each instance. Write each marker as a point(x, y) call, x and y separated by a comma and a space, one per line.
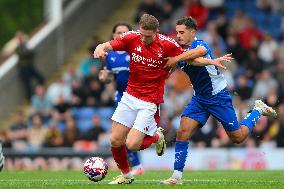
point(211, 96)
point(206, 80)
point(117, 62)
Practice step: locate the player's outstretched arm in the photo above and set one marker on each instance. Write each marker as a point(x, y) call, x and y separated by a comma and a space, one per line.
point(102, 50)
point(105, 76)
point(187, 55)
point(216, 62)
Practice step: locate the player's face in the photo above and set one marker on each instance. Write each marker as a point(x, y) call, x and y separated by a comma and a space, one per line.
point(184, 35)
point(147, 36)
point(120, 30)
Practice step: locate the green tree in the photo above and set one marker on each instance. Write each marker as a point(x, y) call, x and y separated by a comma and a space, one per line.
point(16, 15)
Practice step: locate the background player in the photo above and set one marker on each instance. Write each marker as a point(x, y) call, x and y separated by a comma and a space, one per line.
point(136, 116)
point(117, 69)
point(210, 98)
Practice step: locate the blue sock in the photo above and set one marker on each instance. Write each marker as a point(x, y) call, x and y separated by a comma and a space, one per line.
point(251, 119)
point(180, 155)
point(133, 158)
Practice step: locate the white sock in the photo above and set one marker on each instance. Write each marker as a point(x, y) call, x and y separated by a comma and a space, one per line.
point(177, 174)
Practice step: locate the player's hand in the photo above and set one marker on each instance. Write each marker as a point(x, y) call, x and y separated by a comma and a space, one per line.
point(171, 62)
point(219, 61)
point(100, 52)
point(103, 75)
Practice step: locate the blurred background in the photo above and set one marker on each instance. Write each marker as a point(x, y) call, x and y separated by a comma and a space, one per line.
point(55, 112)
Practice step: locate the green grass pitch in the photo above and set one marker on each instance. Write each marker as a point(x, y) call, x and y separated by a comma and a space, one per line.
point(191, 180)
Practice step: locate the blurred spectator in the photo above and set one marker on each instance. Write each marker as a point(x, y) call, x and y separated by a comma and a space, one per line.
point(6, 142)
point(252, 62)
point(57, 120)
point(173, 103)
point(95, 89)
point(236, 49)
point(250, 35)
point(37, 133)
point(268, 50)
point(244, 88)
point(108, 95)
point(54, 137)
point(280, 134)
point(280, 52)
point(94, 75)
point(264, 5)
point(199, 12)
point(150, 7)
point(89, 62)
point(265, 84)
point(40, 102)
point(10, 47)
point(95, 131)
point(222, 24)
point(238, 22)
point(175, 3)
point(26, 68)
point(280, 78)
point(57, 90)
point(70, 135)
point(71, 75)
point(211, 36)
point(18, 131)
point(79, 94)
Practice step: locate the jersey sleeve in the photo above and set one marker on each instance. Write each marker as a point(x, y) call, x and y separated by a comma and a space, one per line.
point(121, 43)
point(174, 49)
point(201, 43)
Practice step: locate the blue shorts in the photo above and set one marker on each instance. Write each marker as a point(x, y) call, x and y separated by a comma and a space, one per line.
point(219, 106)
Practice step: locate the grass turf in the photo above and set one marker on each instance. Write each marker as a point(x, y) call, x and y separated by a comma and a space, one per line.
point(191, 180)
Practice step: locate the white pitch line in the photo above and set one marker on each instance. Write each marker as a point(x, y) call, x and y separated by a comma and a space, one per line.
point(143, 181)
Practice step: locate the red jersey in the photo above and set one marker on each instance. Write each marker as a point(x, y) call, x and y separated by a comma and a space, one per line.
point(147, 75)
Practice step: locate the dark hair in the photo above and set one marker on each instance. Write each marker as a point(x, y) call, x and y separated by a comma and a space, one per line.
point(189, 22)
point(149, 22)
point(121, 24)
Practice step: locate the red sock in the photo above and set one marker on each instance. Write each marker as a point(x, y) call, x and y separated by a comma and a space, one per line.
point(148, 140)
point(120, 156)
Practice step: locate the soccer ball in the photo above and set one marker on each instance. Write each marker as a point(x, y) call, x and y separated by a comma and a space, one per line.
point(95, 168)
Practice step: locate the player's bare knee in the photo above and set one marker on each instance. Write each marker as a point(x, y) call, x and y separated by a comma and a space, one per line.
point(237, 140)
point(182, 134)
point(116, 142)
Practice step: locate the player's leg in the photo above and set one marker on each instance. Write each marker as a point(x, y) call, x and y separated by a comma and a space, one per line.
point(222, 109)
point(146, 123)
point(133, 156)
point(193, 117)
point(135, 163)
point(123, 119)
point(248, 123)
point(1, 157)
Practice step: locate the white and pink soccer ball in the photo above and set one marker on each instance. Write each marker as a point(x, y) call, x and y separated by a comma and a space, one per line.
point(95, 168)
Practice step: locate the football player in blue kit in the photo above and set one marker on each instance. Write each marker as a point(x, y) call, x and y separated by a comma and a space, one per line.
point(117, 69)
point(210, 98)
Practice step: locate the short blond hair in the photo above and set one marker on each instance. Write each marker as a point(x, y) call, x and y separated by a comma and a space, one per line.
point(149, 22)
